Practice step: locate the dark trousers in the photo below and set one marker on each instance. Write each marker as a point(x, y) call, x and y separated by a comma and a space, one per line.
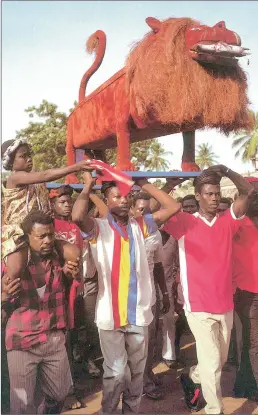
point(232, 353)
point(181, 327)
point(85, 337)
point(148, 382)
point(73, 335)
point(93, 344)
point(246, 305)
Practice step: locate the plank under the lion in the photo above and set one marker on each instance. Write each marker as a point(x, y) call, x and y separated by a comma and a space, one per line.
point(137, 175)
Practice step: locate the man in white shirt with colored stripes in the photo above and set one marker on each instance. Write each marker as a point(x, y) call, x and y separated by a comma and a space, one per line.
point(123, 310)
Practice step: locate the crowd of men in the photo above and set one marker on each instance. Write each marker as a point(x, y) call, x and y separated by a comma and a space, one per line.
point(87, 274)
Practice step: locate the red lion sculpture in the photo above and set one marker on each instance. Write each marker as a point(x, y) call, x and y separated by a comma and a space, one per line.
point(180, 77)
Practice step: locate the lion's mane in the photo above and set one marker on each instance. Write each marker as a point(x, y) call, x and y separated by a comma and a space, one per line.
point(167, 85)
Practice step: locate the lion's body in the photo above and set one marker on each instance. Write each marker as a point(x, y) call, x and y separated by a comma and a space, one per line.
point(94, 121)
point(160, 91)
point(101, 111)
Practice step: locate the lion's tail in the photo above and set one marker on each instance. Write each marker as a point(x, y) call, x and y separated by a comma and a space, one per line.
point(96, 43)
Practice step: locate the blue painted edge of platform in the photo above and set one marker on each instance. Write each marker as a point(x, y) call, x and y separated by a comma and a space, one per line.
point(138, 175)
point(162, 174)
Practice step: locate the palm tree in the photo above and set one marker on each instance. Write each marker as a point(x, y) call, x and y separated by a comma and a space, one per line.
point(205, 156)
point(156, 158)
point(247, 144)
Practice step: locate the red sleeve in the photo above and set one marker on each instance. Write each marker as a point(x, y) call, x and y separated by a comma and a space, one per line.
point(178, 225)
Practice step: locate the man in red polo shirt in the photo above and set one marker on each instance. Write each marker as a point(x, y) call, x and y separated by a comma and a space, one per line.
point(205, 253)
point(245, 272)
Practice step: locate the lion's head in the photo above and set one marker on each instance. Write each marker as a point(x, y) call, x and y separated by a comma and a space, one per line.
point(187, 74)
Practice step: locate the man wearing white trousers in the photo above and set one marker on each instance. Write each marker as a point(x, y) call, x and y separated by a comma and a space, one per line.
point(205, 254)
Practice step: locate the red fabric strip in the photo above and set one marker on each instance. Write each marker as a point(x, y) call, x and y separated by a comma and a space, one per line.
point(115, 278)
point(72, 296)
point(109, 173)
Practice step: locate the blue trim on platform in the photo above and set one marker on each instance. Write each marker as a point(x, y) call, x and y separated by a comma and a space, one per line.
point(161, 174)
point(137, 175)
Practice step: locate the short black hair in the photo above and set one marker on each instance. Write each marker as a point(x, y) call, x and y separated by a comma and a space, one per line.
point(140, 196)
point(189, 197)
point(206, 177)
point(106, 186)
point(35, 216)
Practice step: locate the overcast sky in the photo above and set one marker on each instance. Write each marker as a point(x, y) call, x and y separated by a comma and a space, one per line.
point(43, 54)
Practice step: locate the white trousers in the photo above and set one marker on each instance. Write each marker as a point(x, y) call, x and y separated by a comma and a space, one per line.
point(168, 332)
point(212, 334)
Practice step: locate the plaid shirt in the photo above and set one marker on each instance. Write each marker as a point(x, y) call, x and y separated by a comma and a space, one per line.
point(33, 316)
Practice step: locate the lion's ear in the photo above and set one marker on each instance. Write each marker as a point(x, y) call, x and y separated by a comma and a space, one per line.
point(153, 23)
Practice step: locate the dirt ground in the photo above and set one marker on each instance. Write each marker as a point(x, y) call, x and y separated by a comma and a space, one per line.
point(173, 400)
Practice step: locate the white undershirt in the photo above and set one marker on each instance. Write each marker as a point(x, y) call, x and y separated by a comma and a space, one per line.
point(41, 291)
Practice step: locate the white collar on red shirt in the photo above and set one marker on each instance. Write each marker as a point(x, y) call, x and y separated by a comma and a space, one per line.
point(197, 215)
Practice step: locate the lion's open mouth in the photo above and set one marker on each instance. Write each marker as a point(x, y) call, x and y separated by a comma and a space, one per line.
point(218, 52)
point(215, 45)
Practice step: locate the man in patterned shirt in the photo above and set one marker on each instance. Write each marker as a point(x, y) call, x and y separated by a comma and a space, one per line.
point(123, 310)
point(35, 339)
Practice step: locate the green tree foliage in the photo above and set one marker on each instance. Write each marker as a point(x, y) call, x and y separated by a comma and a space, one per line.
point(46, 133)
point(139, 154)
point(156, 160)
point(247, 144)
point(145, 155)
point(159, 183)
point(205, 156)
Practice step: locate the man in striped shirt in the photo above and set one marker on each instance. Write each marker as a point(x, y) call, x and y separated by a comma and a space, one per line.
point(123, 310)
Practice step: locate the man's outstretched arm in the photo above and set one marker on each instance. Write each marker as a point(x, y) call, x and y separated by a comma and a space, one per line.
point(169, 205)
point(80, 209)
point(101, 206)
point(168, 187)
point(244, 188)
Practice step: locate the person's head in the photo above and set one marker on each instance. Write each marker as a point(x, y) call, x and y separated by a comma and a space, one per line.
point(61, 201)
point(141, 204)
point(207, 191)
point(117, 204)
point(189, 204)
point(39, 230)
point(17, 155)
point(224, 204)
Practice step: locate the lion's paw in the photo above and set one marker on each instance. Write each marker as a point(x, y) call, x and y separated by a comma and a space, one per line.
point(128, 166)
point(189, 166)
